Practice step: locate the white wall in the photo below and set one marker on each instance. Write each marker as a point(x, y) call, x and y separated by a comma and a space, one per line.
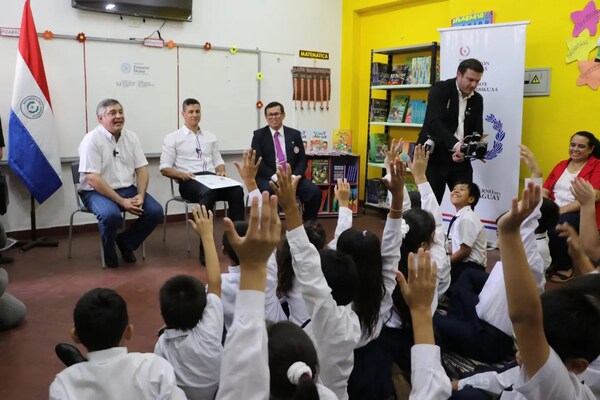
point(268, 25)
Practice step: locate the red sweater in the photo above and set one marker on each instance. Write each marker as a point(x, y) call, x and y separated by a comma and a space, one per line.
point(590, 172)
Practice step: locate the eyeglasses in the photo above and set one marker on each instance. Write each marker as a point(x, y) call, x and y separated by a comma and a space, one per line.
point(274, 115)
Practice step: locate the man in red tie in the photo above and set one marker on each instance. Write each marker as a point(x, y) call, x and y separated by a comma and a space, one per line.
point(277, 145)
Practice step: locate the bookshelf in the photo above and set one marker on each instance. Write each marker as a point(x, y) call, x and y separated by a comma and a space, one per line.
point(400, 80)
point(324, 169)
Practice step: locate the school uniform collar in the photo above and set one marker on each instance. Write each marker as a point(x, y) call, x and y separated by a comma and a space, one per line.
point(106, 355)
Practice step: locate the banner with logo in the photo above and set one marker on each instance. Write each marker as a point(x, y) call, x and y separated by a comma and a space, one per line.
point(32, 146)
point(501, 50)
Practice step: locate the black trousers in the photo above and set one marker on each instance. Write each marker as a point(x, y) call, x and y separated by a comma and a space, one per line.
point(447, 172)
point(307, 192)
point(196, 192)
point(559, 250)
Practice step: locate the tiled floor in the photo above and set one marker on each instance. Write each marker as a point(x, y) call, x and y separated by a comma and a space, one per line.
point(50, 284)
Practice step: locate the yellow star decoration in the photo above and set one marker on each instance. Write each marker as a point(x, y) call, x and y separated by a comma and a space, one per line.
point(259, 76)
point(579, 47)
point(590, 74)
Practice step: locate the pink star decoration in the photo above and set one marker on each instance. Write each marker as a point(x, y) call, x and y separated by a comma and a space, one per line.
point(586, 19)
point(590, 74)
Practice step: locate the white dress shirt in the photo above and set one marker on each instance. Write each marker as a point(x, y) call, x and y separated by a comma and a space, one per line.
point(335, 330)
point(462, 109)
point(115, 162)
point(429, 380)
point(116, 374)
point(195, 354)
point(187, 151)
point(493, 306)
point(467, 229)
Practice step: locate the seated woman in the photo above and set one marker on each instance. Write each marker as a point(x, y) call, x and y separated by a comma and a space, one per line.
point(583, 162)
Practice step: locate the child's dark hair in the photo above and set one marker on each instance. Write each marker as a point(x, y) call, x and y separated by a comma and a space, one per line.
point(415, 198)
point(285, 272)
point(241, 227)
point(288, 344)
point(100, 318)
point(572, 318)
point(341, 276)
point(365, 249)
point(474, 191)
point(182, 302)
point(550, 214)
point(420, 234)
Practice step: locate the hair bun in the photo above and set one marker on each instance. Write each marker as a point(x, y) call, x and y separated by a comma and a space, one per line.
point(296, 370)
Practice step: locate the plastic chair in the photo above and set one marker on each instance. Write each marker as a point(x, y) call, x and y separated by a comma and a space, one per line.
point(83, 209)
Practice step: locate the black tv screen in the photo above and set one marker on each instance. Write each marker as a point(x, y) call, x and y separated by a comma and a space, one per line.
point(179, 10)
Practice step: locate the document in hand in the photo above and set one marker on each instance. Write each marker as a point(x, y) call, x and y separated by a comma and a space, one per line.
point(216, 182)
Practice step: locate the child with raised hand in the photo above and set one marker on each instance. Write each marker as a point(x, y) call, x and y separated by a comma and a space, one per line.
point(547, 372)
point(585, 194)
point(428, 378)
point(193, 316)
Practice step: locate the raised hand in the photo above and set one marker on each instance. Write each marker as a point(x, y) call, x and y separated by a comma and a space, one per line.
point(511, 221)
point(583, 191)
point(342, 192)
point(393, 153)
point(419, 289)
point(418, 165)
point(529, 159)
point(202, 222)
point(249, 168)
point(397, 173)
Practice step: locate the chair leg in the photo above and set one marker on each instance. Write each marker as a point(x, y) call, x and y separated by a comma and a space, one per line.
point(71, 234)
point(102, 254)
point(165, 221)
point(144, 250)
point(187, 228)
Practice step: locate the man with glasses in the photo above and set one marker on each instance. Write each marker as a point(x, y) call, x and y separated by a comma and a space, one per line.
point(280, 145)
point(114, 178)
point(191, 151)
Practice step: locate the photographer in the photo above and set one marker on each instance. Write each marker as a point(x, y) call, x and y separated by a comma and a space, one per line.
point(454, 114)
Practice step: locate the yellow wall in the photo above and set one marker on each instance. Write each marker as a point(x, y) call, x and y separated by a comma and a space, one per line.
point(548, 121)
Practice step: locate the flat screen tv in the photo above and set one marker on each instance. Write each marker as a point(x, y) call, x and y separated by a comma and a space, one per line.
point(179, 10)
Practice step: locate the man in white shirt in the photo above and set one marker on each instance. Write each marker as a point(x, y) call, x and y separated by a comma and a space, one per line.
point(114, 178)
point(191, 151)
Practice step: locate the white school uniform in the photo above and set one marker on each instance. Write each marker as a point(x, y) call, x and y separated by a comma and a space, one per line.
point(195, 354)
point(429, 380)
point(493, 307)
point(335, 330)
point(116, 374)
point(467, 229)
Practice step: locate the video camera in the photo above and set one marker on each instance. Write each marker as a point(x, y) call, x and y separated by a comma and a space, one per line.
point(473, 148)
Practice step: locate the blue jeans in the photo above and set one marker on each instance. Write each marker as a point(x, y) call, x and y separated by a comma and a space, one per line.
point(110, 219)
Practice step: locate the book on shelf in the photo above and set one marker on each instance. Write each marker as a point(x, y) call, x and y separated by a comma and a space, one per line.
point(308, 170)
point(339, 173)
point(376, 191)
point(305, 139)
point(353, 201)
point(379, 110)
point(408, 149)
point(380, 74)
point(398, 107)
point(320, 171)
point(420, 67)
point(398, 74)
point(342, 140)
point(415, 114)
point(324, 196)
point(319, 141)
point(348, 171)
point(378, 142)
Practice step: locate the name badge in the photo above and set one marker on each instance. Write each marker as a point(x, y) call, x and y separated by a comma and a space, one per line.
point(296, 149)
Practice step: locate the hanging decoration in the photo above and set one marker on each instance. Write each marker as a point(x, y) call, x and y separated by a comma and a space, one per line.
point(259, 104)
point(233, 50)
point(580, 47)
point(312, 85)
point(207, 46)
point(586, 19)
point(259, 76)
point(81, 37)
point(171, 44)
point(590, 74)
point(48, 35)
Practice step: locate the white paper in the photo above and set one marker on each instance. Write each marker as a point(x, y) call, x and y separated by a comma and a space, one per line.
point(216, 181)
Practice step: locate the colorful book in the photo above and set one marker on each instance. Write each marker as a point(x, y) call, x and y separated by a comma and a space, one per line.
point(380, 74)
point(379, 110)
point(378, 143)
point(398, 107)
point(342, 140)
point(304, 136)
point(324, 196)
point(319, 140)
point(320, 171)
point(339, 173)
point(308, 171)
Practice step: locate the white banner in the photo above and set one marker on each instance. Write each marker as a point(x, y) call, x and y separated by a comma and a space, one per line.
point(501, 50)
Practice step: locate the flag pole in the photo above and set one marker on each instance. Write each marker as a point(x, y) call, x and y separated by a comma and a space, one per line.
point(35, 242)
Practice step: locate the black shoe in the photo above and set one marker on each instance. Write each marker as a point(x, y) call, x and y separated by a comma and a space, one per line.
point(6, 260)
point(111, 261)
point(127, 254)
point(68, 354)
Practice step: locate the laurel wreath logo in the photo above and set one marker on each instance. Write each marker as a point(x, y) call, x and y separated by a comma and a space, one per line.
point(500, 135)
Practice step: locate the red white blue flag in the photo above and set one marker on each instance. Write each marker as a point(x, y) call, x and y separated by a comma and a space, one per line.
point(32, 144)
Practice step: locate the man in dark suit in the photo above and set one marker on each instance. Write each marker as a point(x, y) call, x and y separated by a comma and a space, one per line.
point(454, 114)
point(278, 145)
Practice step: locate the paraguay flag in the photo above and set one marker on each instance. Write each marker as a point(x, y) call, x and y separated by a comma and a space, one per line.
point(32, 146)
